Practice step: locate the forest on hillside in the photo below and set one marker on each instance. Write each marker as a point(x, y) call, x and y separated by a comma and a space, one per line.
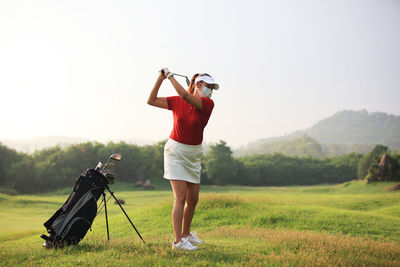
point(301, 147)
point(344, 132)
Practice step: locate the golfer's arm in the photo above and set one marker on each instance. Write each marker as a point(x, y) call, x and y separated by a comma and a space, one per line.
point(185, 95)
point(154, 100)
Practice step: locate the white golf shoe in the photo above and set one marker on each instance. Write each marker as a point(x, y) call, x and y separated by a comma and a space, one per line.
point(194, 239)
point(184, 244)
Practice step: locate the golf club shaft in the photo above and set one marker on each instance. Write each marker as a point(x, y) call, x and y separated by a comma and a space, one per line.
point(179, 75)
point(163, 73)
point(104, 166)
point(187, 79)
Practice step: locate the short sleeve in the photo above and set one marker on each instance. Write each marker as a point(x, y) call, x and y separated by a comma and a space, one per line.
point(207, 105)
point(172, 102)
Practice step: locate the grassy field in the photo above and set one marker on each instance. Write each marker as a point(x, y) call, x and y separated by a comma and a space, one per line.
point(351, 224)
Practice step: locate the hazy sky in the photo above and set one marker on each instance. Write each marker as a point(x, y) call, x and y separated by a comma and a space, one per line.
point(86, 68)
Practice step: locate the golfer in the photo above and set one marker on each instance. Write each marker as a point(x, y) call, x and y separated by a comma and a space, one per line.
point(191, 110)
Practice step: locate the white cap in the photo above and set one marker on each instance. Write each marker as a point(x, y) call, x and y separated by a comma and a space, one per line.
point(209, 80)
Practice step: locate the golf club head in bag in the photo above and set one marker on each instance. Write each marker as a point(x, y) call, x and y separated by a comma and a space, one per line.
point(106, 172)
point(116, 157)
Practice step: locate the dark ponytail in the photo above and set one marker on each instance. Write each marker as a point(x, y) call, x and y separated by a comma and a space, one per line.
point(191, 85)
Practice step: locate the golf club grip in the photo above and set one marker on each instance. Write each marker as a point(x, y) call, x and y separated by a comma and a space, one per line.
point(162, 72)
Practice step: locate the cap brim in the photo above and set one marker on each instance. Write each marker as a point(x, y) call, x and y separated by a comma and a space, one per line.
point(214, 86)
point(209, 80)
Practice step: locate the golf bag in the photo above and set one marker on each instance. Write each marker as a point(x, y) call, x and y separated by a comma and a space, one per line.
point(71, 222)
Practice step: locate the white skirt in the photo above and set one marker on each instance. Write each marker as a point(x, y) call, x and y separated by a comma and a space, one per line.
point(182, 162)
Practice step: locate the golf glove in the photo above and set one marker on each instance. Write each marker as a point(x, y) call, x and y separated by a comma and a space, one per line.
point(166, 73)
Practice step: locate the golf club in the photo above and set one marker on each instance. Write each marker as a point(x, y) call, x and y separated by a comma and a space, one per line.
point(187, 79)
point(110, 164)
point(116, 157)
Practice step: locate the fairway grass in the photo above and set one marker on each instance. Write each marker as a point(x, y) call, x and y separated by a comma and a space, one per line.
point(351, 224)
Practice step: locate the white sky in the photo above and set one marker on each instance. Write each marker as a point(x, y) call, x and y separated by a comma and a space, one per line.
point(85, 68)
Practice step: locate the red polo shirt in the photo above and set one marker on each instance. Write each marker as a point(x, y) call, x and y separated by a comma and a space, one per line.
point(189, 122)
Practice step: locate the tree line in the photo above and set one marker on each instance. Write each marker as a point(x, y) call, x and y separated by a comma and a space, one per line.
point(53, 168)
point(276, 169)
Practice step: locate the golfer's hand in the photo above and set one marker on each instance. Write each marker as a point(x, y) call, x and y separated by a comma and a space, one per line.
point(166, 72)
point(161, 77)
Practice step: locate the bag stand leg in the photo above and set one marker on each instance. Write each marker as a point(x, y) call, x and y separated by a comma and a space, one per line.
point(105, 210)
point(119, 204)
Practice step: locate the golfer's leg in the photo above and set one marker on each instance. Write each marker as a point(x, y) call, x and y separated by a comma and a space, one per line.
point(179, 188)
point(192, 196)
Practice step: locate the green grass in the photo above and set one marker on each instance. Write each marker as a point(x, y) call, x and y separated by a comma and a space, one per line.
point(351, 224)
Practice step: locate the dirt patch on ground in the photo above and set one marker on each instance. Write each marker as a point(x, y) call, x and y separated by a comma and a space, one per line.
point(395, 188)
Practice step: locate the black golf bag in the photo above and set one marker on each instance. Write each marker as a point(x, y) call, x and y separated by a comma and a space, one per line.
point(71, 222)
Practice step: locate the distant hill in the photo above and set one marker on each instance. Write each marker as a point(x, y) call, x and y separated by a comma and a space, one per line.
point(345, 131)
point(357, 127)
point(31, 145)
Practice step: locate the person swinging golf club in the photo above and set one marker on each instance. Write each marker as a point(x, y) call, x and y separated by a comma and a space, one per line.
point(191, 111)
